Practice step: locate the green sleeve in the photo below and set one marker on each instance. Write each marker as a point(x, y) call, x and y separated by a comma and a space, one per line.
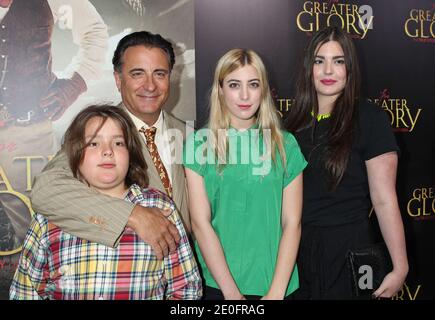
point(295, 161)
point(195, 156)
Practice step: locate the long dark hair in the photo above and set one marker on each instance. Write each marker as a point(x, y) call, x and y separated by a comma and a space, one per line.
point(75, 144)
point(344, 114)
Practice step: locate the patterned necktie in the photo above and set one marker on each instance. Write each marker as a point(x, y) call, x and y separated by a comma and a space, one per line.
point(150, 134)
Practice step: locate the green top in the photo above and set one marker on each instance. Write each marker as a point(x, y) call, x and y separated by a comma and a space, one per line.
point(246, 201)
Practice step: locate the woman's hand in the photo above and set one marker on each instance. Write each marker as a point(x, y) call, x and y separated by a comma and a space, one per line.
point(391, 284)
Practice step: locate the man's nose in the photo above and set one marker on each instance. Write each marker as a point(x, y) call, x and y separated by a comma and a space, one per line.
point(149, 83)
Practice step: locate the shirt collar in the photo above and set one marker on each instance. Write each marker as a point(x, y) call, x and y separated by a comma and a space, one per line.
point(321, 116)
point(235, 132)
point(138, 123)
point(3, 12)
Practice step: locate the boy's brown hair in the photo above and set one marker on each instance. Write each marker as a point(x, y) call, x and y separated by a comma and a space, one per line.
point(75, 144)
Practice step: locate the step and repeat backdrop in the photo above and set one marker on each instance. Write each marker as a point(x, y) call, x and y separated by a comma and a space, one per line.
point(55, 59)
point(396, 45)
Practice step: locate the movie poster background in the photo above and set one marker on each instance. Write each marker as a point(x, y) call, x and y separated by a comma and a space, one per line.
point(18, 165)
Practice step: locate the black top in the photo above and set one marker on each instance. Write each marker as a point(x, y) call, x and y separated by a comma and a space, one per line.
point(350, 202)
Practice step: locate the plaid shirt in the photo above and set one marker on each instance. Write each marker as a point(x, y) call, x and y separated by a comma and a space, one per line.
point(57, 265)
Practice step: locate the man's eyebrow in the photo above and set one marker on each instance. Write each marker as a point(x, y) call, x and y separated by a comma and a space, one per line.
point(161, 70)
point(136, 69)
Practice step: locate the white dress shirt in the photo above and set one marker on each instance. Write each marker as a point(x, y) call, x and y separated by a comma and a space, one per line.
point(161, 139)
point(3, 12)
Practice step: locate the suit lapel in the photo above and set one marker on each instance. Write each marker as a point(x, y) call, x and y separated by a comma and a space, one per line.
point(178, 179)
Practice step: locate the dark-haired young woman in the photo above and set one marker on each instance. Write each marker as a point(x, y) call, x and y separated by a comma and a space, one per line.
point(352, 156)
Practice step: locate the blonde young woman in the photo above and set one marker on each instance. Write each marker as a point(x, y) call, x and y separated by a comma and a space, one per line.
point(244, 180)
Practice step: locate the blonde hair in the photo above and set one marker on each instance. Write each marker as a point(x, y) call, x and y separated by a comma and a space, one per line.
point(266, 117)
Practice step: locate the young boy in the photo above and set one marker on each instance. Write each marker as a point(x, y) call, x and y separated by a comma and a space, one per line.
point(104, 152)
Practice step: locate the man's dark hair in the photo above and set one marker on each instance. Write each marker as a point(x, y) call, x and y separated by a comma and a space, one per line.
point(142, 38)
